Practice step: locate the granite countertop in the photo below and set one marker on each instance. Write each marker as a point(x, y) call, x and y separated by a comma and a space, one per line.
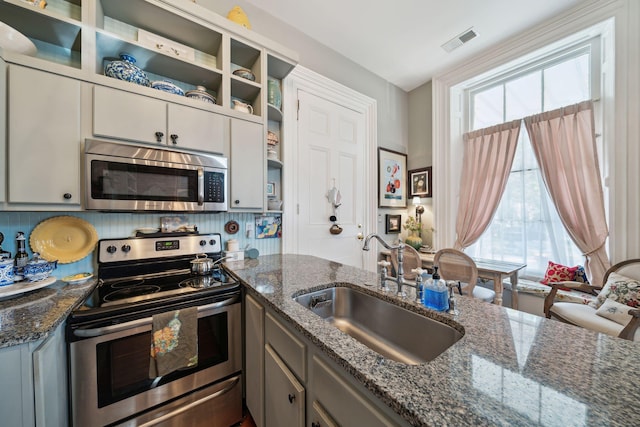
point(509, 368)
point(33, 315)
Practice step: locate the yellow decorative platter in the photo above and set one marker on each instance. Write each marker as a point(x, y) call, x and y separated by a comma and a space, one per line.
point(63, 238)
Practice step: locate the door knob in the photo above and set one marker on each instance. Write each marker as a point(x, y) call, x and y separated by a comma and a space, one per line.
point(67, 196)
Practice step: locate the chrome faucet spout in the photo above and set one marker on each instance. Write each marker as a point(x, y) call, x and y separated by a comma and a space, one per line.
point(399, 279)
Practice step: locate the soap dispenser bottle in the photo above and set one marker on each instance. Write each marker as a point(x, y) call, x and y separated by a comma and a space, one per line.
point(429, 290)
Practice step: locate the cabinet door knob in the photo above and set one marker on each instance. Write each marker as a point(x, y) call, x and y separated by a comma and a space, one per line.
point(237, 202)
point(291, 398)
point(67, 196)
point(174, 138)
point(159, 136)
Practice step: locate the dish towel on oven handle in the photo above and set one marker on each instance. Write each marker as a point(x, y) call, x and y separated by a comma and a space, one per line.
point(174, 341)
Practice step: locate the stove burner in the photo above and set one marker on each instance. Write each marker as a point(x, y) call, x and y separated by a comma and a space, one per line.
point(126, 283)
point(199, 282)
point(130, 292)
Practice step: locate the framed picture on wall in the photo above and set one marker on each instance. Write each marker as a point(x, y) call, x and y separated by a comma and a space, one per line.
point(420, 182)
point(392, 178)
point(271, 189)
point(392, 224)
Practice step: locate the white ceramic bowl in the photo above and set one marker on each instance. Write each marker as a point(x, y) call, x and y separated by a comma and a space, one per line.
point(274, 204)
point(14, 41)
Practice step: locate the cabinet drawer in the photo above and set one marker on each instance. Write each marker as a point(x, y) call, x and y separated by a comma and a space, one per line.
point(290, 349)
point(343, 404)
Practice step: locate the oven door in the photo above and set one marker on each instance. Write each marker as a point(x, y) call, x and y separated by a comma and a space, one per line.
point(109, 364)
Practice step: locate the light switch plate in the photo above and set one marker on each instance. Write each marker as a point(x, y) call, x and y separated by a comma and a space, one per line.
point(249, 229)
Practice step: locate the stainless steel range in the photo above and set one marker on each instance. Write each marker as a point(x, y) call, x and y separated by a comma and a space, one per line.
point(109, 337)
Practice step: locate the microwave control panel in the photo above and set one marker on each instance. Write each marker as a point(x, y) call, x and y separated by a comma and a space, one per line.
point(214, 187)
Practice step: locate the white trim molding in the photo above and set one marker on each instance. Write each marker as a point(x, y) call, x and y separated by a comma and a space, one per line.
point(302, 78)
point(617, 22)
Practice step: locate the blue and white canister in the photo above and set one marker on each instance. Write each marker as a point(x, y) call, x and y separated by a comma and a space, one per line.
point(125, 69)
point(6, 271)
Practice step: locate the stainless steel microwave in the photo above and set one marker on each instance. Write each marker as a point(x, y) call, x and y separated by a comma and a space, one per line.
point(124, 177)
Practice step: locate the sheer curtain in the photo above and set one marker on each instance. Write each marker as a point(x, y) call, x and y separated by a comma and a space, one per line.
point(488, 155)
point(564, 144)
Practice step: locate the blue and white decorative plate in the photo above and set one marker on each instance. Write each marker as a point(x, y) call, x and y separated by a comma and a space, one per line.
point(167, 86)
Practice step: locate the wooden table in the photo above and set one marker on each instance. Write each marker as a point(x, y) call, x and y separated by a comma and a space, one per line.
point(487, 269)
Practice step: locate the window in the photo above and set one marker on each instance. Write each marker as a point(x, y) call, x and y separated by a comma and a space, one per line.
point(526, 227)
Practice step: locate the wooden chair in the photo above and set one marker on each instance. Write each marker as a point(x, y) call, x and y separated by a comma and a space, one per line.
point(410, 261)
point(585, 316)
point(456, 265)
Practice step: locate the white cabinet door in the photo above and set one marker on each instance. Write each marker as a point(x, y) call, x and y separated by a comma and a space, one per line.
point(254, 359)
point(284, 395)
point(50, 381)
point(43, 137)
point(247, 165)
point(127, 116)
point(196, 129)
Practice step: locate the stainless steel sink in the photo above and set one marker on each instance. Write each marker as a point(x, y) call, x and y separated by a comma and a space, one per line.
point(392, 331)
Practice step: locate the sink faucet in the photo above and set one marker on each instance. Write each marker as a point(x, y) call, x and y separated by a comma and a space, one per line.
point(399, 279)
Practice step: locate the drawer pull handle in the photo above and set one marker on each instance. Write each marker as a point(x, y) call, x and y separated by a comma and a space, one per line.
point(291, 398)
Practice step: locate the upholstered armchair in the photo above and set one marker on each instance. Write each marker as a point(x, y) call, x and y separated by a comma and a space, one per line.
point(614, 312)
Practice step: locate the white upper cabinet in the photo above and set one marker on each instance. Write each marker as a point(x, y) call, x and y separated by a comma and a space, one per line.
point(131, 117)
point(247, 166)
point(43, 137)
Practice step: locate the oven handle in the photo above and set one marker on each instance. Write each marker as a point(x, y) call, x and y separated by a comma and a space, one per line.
point(200, 186)
point(96, 332)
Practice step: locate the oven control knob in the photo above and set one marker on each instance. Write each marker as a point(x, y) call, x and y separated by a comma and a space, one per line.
point(203, 242)
point(212, 242)
point(111, 249)
point(126, 248)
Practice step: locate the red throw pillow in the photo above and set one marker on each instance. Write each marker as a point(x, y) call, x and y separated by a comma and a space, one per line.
point(559, 273)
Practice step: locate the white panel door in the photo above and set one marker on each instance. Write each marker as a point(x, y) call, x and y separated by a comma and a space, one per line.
point(331, 152)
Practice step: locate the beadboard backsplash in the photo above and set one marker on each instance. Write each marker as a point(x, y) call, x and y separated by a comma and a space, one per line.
point(118, 225)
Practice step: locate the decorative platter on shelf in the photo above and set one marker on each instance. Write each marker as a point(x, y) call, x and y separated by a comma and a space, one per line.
point(66, 239)
point(22, 287)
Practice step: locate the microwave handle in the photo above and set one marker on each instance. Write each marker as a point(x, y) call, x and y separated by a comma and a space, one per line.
point(200, 186)
point(96, 332)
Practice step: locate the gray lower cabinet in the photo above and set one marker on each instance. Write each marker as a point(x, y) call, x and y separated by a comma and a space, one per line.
point(297, 385)
point(43, 137)
point(34, 383)
point(254, 360)
point(284, 395)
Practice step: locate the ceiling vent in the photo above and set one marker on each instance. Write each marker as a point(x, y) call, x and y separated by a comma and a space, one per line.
point(460, 39)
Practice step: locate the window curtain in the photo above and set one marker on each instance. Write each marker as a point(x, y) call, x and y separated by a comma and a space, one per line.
point(487, 159)
point(564, 143)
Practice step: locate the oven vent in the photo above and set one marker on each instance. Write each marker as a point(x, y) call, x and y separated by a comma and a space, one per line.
point(460, 39)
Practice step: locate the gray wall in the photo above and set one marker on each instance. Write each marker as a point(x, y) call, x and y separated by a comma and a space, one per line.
point(392, 101)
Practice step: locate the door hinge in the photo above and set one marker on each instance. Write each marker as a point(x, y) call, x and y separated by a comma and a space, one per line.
point(298, 111)
point(298, 208)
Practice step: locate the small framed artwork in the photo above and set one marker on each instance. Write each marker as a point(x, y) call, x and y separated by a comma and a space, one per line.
point(271, 189)
point(392, 225)
point(392, 178)
point(420, 182)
